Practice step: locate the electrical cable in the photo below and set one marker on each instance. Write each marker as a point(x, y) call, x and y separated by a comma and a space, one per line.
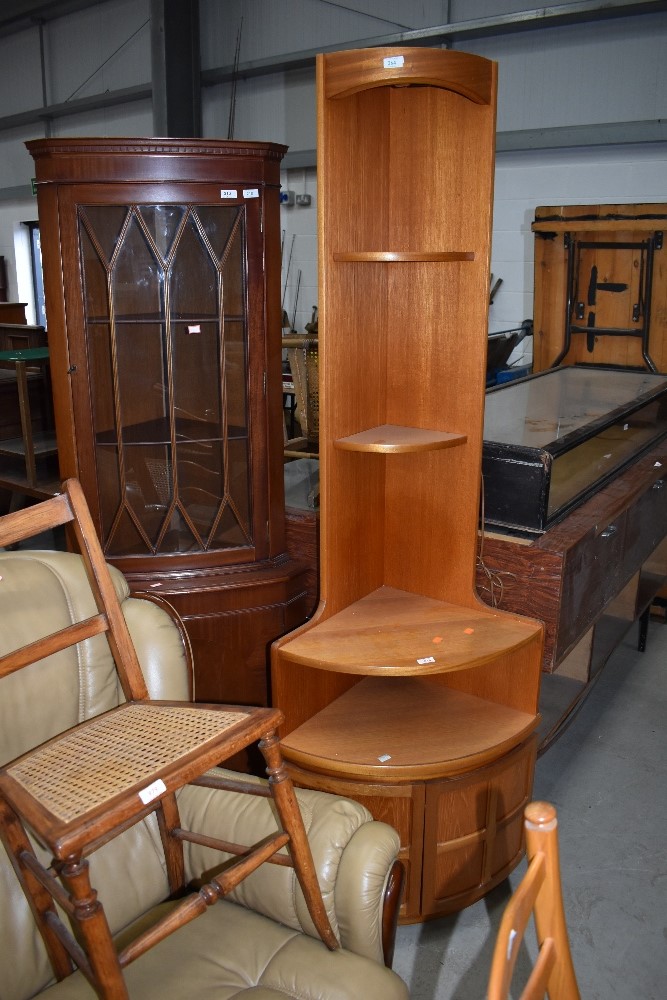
point(147, 21)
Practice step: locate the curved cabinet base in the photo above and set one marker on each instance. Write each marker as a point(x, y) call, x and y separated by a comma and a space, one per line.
point(460, 836)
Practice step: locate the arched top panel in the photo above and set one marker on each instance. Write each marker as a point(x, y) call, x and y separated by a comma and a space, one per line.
point(347, 73)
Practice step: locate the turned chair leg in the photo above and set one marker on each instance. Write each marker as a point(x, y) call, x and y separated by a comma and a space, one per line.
point(282, 791)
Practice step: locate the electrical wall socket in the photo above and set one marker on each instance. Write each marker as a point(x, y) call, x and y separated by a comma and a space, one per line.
point(303, 200)
point(287, 198)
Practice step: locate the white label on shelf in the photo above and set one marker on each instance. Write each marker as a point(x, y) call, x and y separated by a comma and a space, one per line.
point(426, 659)
point(228, 193)
point(656, 465)
point(385, 757)
point(194, 328)
point(626, 427)
point(393, 62)
point(148, 794)
point(251, 192)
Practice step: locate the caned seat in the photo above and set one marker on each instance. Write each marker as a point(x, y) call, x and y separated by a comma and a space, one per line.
point(82, 788)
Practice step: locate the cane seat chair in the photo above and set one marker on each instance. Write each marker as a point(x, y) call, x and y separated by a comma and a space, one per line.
point(82, 788)
point(539, 893)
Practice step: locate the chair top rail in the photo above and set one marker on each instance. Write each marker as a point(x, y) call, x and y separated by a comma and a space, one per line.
point(22, 524)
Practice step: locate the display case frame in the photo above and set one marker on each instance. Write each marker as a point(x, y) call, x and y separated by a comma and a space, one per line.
point(604, 419)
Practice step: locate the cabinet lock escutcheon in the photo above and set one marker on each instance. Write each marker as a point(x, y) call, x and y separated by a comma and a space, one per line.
point(71, 369)
point(658, 484)
point(609, 531)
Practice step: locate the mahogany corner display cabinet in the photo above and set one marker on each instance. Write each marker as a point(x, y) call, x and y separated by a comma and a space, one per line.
point(404, 690)
point(162, 276)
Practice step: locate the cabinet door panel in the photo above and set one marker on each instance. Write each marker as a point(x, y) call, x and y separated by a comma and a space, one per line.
point(401, 806)
point(646, 526)
point(472, 832)
point(163, 396)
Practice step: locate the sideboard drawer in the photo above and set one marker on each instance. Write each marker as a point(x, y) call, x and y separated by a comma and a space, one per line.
point(646, 526)
point(591, 578)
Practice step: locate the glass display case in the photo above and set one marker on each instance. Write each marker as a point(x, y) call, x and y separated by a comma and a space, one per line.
point(552, 439)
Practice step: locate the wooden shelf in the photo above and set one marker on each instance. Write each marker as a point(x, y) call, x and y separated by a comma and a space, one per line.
point(44, 444)
point(402, 256)
point(376, 719)
point(391, 632)
point(391, 438)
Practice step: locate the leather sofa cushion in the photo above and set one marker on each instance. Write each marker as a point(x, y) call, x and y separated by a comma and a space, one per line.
point(233, 952)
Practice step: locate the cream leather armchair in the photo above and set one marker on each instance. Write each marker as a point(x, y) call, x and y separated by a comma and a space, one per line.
point(260, 940)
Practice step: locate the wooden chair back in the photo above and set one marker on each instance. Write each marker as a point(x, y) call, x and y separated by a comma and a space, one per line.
point(69, 507)
point(539, 893)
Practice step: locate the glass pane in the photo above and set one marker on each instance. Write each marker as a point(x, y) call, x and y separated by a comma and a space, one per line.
point(219, 222)
point(138, 279)
point(541, 411)
point(233, 276)
point(194, 278)
point(148, 485)
point(94, 281)
point(142, 381)
point(197, 390)
point(239, 481)
point(106, 222)
point(229, 532)
point(162, 222)
point(235, 378)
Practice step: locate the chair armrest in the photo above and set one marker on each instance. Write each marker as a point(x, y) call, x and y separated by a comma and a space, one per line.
point(353, 856)
point(162, 646)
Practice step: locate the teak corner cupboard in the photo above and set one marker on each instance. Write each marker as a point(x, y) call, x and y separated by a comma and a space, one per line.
point(405, 691)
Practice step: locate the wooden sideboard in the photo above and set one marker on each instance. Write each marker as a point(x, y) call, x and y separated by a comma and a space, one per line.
point(588, 579)
point(13, 312)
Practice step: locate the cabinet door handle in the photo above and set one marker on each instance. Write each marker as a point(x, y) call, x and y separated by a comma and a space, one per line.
point(609, 531)
point(658, 484)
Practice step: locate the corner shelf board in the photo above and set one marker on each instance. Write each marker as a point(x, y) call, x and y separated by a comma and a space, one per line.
point(402, 256)
point(457, 731)
point(392, 632)
point(394, 439)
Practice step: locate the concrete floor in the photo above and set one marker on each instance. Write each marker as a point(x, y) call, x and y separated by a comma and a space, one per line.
point(606, 775)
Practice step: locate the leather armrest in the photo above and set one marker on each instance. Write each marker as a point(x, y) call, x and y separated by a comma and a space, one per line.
point(353, 855)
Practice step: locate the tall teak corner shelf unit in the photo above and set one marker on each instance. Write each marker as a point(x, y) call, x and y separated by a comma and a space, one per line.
point(162, 276)
point(404, 691)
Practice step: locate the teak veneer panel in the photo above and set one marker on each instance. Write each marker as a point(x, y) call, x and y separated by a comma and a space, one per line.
point(392, 632)
point(361, 69)
point(370, 732)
